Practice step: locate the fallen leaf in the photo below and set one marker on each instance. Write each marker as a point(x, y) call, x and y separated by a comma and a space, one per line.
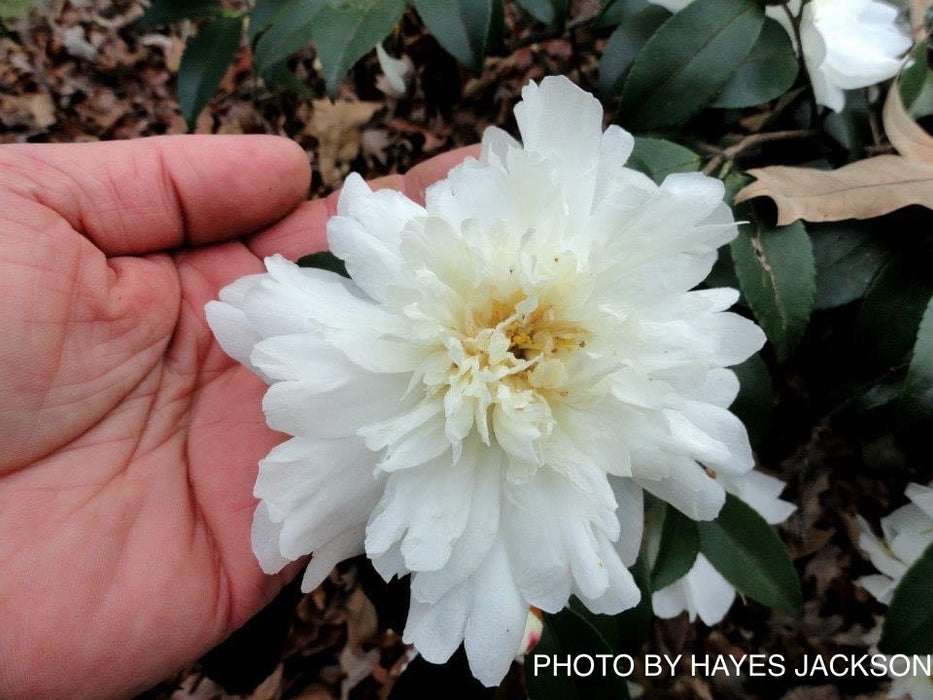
point(861, 190)
point(918, 10)
point(337, 128)
point(907, 136)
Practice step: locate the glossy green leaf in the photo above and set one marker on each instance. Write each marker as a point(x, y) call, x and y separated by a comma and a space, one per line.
point(345, 30)
point(750, 555)
point(755, 403)
point(910, 82)
point(887, 323)
point(623, 46)
point(634, 624)
point(569, 632)
point(288, 30)
point(768, 71)
point(465, 28)
point(262, 15)
point(848, 255)
point(614, 12)
point(908, 621)
point(687, 61)
point(680, 543)
point(917, 395)
point(658, 158)
point(204, 62)
point(552, 12)
point(324, 260)
point(168, 11)
point(777, 275)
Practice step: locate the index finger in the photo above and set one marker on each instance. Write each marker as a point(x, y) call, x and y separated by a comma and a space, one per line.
point(304, 230)
point(146, 195)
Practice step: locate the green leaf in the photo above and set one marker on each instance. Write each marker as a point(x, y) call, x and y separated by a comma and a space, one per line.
point(288, 30)
point(634, 624)
point(465, 28)
point(262, 16)
point(914, 75)
point(614, 12)
point(204, 62)
point(848, 255)
point(777, 275)
point(755, 402)
point(168, 11)
point(887, 322)
point(750, 555)
point(568, 632)
point(346, 30)
point(680, 543)
point(552, 12)
point(658, 158)
point(916, 402)
point(768, 72)
point(623, 46)
point(324, 260)
point(687, 61)
point(908, 623)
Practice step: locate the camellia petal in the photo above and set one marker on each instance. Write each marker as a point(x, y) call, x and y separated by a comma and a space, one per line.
point(510, 366)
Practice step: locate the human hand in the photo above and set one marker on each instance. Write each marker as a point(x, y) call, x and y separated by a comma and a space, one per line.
point(129, 439)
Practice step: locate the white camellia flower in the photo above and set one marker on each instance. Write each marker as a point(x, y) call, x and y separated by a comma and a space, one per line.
point(907, 532)
point(510, 365)
point(847, 44)
point(703, 591)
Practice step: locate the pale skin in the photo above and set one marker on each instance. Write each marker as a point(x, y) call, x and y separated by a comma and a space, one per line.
point(128, 439)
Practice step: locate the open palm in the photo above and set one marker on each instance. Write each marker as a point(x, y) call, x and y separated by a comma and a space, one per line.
point(128, 440)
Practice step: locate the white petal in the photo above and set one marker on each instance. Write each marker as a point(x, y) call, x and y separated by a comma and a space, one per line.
point(712, 594)
point(631, 513)
point(265, 536)
point(481, 530)
point(394, 69)
point(558, 119)
point(727, 429)
point(620, 594)
point(302, 408)
point(688, 488)
point(232, 330)
point(761, 492)
point(317, 489)
point(345, 545)
point(496, 623)
point(426, 508)
point(436, 630)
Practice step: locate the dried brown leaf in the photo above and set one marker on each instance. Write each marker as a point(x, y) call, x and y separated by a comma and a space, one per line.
point(907, 136)
point(861, 190)
point(337, 128)
point(918, 25)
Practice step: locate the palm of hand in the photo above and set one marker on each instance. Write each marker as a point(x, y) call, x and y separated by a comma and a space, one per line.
point(130, 441)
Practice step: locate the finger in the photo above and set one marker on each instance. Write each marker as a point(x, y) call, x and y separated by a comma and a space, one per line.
point(304, 230)
point(140, 196)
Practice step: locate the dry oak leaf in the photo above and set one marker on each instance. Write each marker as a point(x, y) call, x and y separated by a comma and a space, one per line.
point(337, 127)
point(861, 190)
point(906, 135)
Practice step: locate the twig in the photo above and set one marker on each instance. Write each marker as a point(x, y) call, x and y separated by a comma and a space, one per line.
point(801, 61)
point(754, 140)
